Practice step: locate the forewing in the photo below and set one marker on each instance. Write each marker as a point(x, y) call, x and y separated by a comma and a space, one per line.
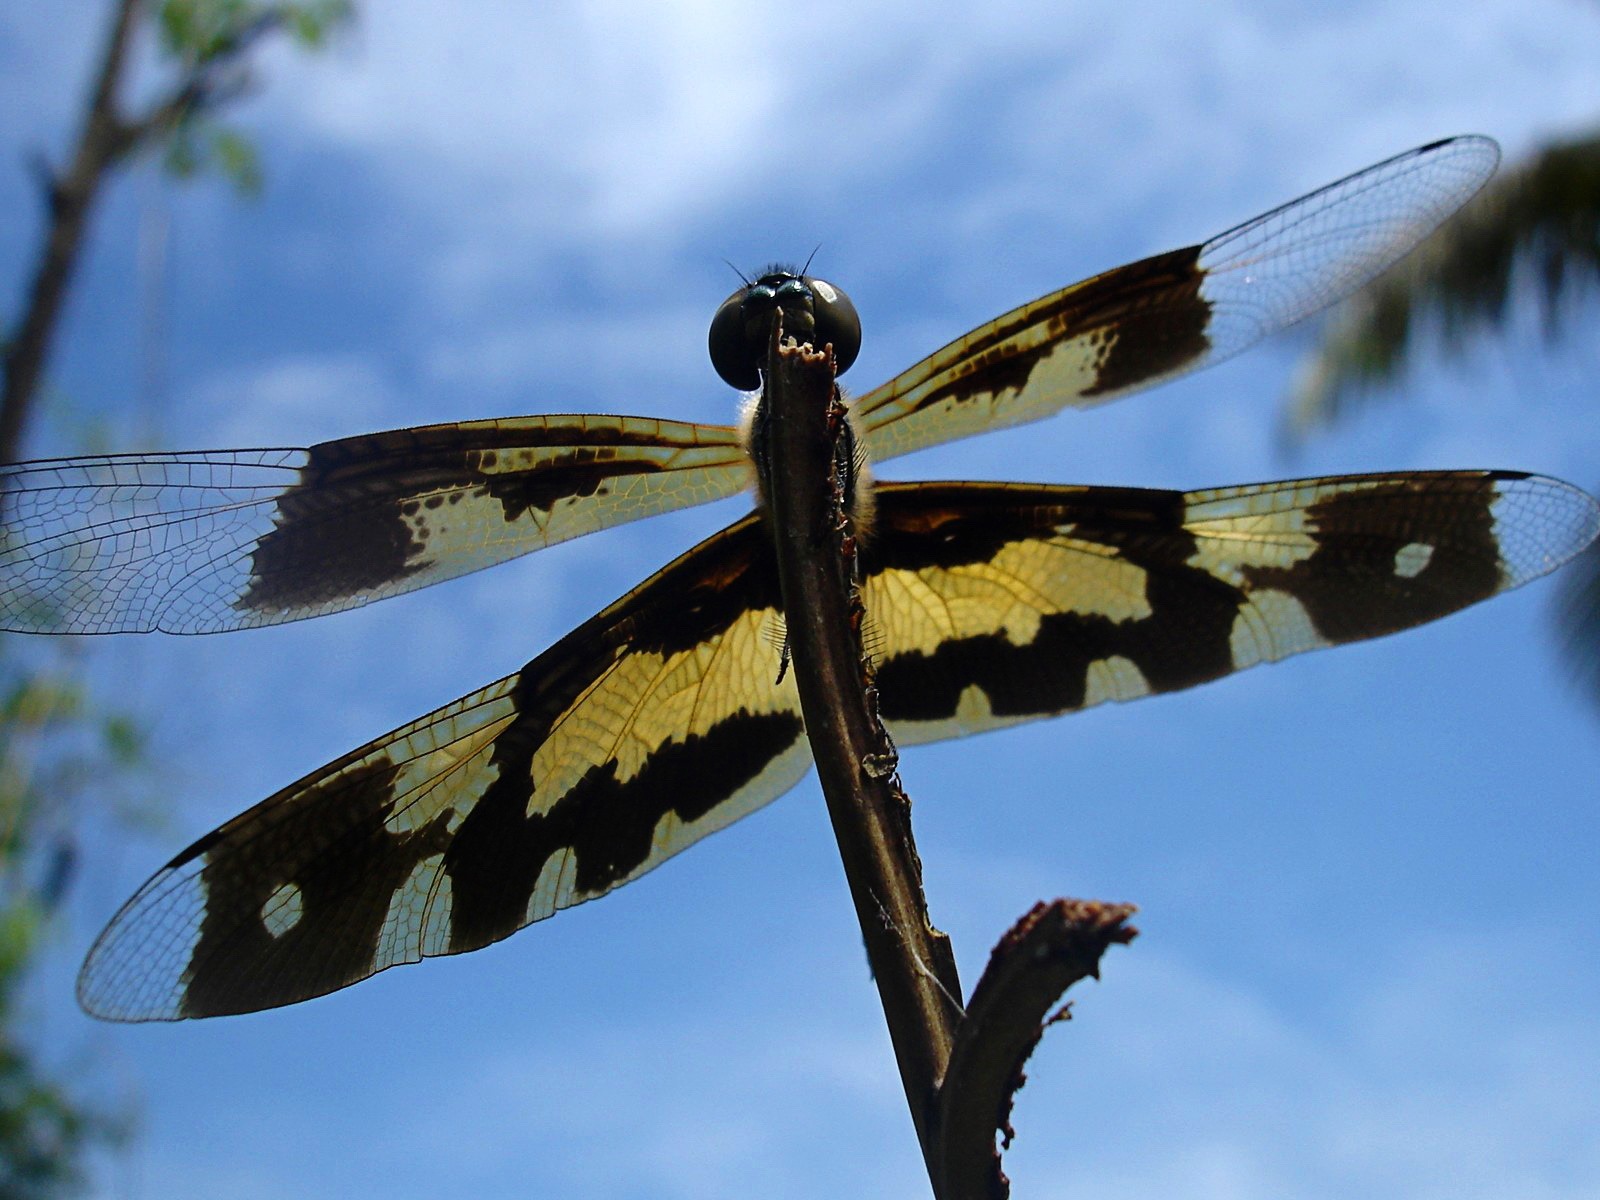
point(648, 727)
point(991, 604)
point(216, 540)
point(1160, 317)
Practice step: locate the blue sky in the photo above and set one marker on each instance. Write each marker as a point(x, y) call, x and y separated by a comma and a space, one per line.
point(1367, 877)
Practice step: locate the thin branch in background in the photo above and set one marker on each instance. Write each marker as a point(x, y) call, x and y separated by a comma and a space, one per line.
point(211, 41)
point(54, 743)
point(67, 198)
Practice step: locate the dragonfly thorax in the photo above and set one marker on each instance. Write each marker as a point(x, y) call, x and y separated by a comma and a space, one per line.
point(852, 468)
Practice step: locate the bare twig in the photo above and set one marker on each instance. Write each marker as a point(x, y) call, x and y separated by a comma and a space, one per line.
point(959, 1069)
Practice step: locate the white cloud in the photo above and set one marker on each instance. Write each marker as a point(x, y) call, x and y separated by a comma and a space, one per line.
point(980, 155)
point(608, 103)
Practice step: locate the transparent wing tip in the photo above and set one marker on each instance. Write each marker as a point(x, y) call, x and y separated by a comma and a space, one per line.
point(1541, 523)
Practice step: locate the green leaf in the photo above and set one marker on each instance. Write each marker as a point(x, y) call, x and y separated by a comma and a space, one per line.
point(183, 157)
point(57, 748)
point(196, 31)
point(125, 740)
point(200, 31)
point(20, 922)
point(311, 23)
point(176, 22)
point(236, 157)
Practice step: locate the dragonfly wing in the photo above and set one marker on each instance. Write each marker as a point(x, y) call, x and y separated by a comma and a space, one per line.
point(992, 604)
point(653, 724)
point(217, 540)
point(663, 719)
point(1154, 319)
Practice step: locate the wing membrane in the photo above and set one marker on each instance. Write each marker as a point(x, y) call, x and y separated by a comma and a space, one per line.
point(210, 541)
point(994, 603)
point(651, 725)
point(1163, 316)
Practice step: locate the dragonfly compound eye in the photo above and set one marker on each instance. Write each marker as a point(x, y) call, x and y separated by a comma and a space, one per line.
point(814, 311)
point(737, 342)
point(837, 322)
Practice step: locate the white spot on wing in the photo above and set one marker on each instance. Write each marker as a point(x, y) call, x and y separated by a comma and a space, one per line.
point(1412, 559)
point(283, 910)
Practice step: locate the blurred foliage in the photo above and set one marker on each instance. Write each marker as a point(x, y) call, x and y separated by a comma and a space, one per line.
point(1531, 236)
point(62, 757)
point(55, 746)
point(199, 145)
point(207, 39)
point(1579, 621)
point(196, 32)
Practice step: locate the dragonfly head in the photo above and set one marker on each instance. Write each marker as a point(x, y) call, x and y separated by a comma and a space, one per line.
point(813, 311)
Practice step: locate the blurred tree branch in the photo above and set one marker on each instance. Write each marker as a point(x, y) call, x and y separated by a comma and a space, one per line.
point(1541, 217)
point(207, 44)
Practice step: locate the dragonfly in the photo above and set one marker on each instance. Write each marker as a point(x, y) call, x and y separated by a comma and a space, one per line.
point(665, 717)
